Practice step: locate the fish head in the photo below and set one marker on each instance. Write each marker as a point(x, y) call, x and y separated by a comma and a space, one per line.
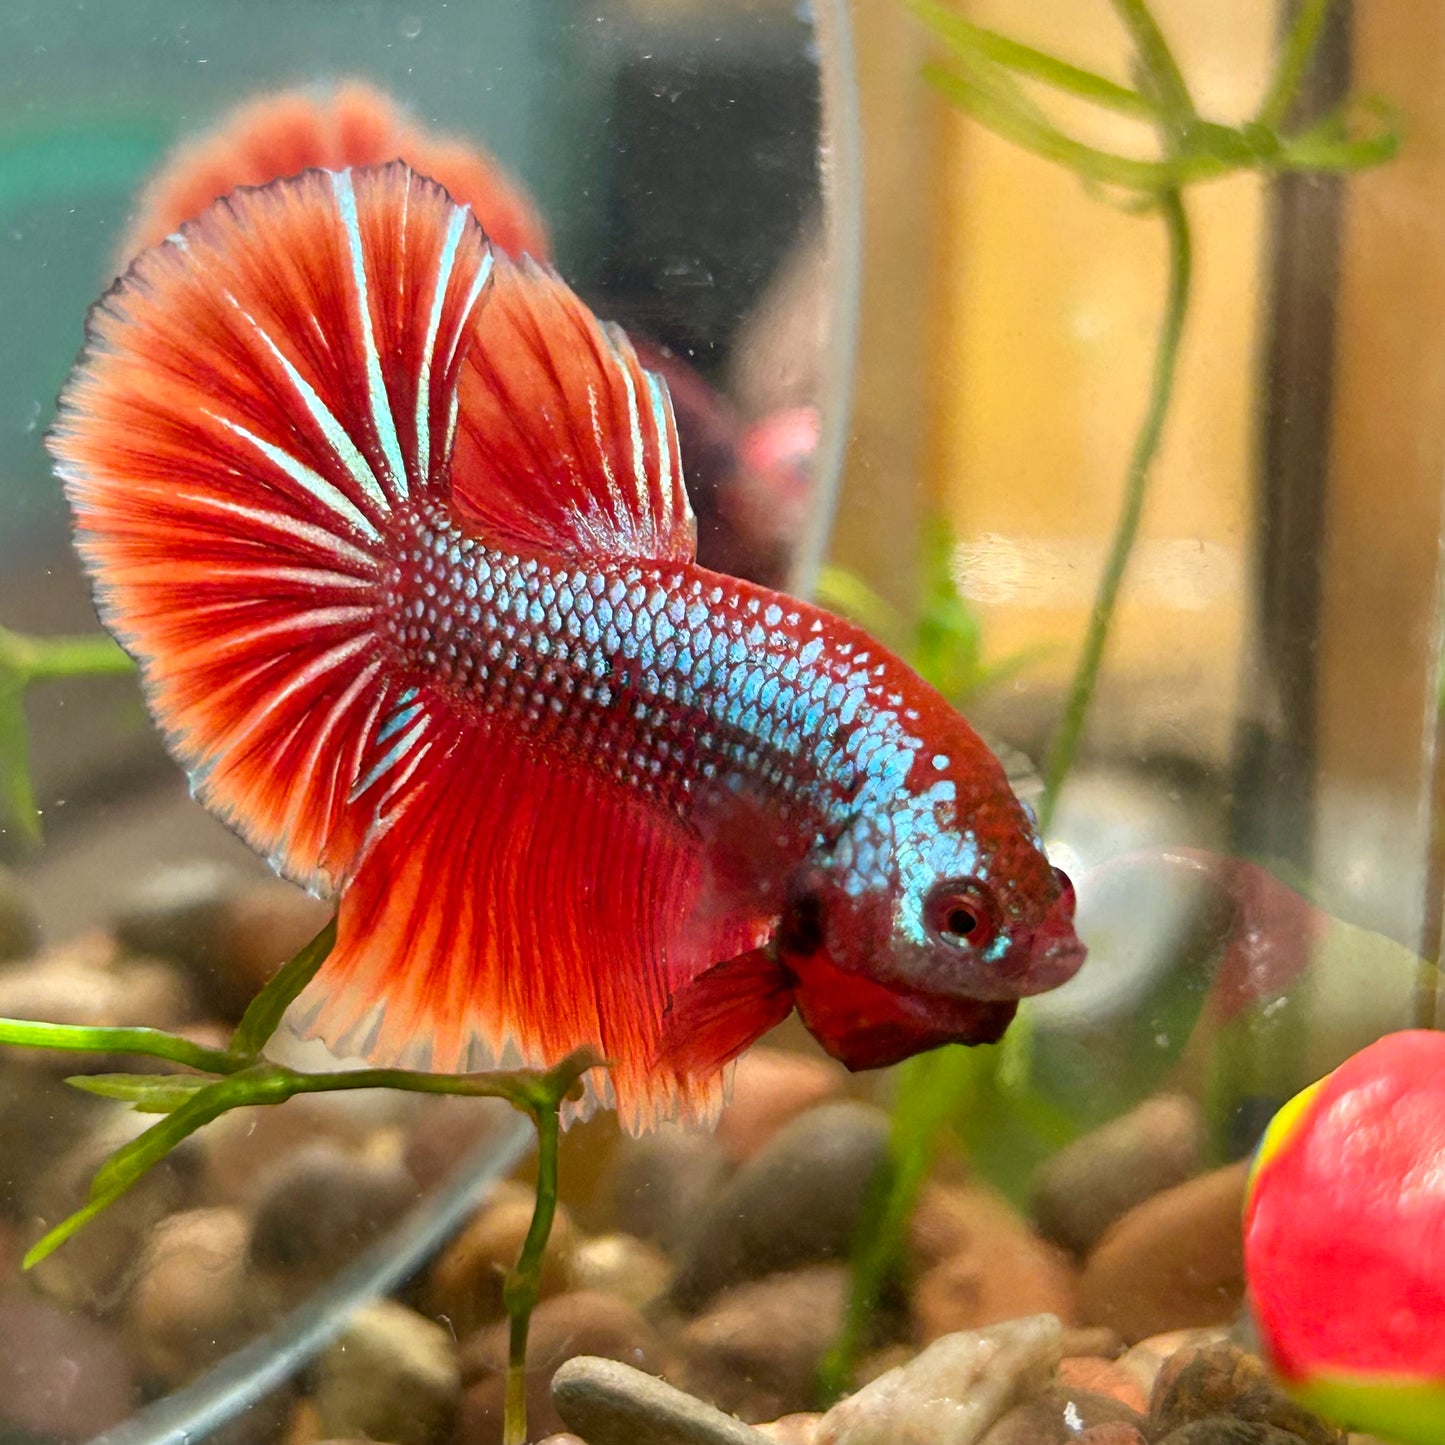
point(930, 914)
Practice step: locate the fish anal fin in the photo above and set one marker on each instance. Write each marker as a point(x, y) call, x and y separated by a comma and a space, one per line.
point(725, 1010)
point(565, 444)
point(509, 904)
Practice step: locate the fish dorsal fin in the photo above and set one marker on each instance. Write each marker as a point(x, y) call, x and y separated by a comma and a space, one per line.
point(565, 444)
point(258, 401)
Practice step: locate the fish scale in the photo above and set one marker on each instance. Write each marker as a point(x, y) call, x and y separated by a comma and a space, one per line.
point(621, 667)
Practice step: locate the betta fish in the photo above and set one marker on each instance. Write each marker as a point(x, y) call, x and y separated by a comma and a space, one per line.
point(398, 534)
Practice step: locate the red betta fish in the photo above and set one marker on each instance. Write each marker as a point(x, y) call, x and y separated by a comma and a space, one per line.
point(431, 636)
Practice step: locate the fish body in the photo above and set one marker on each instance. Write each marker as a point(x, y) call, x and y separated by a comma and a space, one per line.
point(399, 536)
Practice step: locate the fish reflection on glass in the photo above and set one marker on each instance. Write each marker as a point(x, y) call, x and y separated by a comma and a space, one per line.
point(398, 534)
point(749, 477)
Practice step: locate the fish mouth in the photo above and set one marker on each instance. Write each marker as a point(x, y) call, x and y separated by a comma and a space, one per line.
point(1056, 953)
point(1054, 964)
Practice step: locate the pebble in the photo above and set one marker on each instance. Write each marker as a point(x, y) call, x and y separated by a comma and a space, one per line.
point(95, 1266)
point(175, 913)
point(19, 928)
point(63, 1378)
point(1225, 1430)
point(1143, 1362)
point(1221, 1379)
point(608, 1403)
point(1175, 1261)
point(1058, 1415)
point(981, 1264)
point(953, 1391)
point(1116, 1433)
point(260, 928)
point(85, 983)
point(622, 1265)
point(797, 1201)
point(797, 1429)
point(41, 1118)
point(244, 1148)
point(770, 1088)
point(1084, 1188)
point(1095, 1341)
point(579, 1323)
point(318, 1208)
point(229, 933)
point(446, 1129)
point(391, 1376)
point(1033, 1422)
point(465, 1284)
point(657, 1185)
point(187, 1306)
point(755, 1352)
point(1104, 1377)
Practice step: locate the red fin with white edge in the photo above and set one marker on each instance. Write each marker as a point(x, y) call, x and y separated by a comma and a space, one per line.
point(257, 400)
point(509, 907)
point(566, 444)
point(330, 128)
point(723, 1011)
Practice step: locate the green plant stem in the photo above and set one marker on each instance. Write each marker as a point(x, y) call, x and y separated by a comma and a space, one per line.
point(1295, 55)
point(264, 1013)
point(928, 1092)
point(37, 657)
point(1156, 60)
point(189, 1102)
point(152, 1043)
point(1166, 355)
point(524, 1283)
point(1038, 65)
point(980, 97)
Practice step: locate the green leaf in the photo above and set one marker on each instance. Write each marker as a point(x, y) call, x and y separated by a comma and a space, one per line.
point(1364, 131)
point(970, 88)
point(127, 1164)
point(1165, 82)
point(963, 35)
point(77, 1038)
point(949, 634)
point(845, 592)
point(149, 1093)
point(17, 794)
point(1294, 60)
point(264, 1013)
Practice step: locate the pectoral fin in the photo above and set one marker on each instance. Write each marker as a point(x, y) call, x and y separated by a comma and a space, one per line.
point(725, 1010)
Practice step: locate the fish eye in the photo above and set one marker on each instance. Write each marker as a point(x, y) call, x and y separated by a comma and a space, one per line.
point(959, 912)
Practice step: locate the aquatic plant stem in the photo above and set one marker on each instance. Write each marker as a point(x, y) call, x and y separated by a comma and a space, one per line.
point(30, 658)
point(241, 1076)
point(1146, 446)
point(1295, 55)
point(523, 1284)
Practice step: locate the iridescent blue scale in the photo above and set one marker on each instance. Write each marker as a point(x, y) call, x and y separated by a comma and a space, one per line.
point(710, 690)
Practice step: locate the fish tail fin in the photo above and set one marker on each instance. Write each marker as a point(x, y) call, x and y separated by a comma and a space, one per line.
point(345, 126)
point(260, 401)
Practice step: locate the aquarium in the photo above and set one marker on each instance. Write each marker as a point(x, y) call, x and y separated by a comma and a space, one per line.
point(557, 476)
